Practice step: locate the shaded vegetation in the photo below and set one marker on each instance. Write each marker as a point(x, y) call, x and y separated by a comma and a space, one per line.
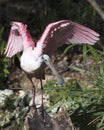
point(85, 105)
point(37, 14)
point(3, 62)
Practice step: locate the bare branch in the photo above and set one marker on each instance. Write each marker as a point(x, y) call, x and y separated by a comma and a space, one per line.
point(97, 8)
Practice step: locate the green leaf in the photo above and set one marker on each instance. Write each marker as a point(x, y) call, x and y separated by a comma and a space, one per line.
point(69, 47)
point(94, 52)
point(76, 68)
point(102, 68)
point(84, 51)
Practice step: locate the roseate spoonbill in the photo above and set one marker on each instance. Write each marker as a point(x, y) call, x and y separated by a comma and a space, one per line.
point(35, 56)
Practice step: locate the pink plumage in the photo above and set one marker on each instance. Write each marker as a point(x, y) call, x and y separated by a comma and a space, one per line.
point(65, 32)
point(34, 58)
point(19, 39)
point(56, 34)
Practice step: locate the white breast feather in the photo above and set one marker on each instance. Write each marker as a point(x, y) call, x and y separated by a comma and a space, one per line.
point(28, 62)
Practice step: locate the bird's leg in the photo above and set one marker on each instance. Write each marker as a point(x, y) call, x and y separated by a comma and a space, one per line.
point(42, 105)
point(34, 91)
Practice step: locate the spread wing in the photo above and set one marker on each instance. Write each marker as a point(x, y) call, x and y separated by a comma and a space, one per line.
point(19, 39)
point(65, 32)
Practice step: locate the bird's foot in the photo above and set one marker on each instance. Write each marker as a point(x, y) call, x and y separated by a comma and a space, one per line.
point(42, 110)
point(33, 106)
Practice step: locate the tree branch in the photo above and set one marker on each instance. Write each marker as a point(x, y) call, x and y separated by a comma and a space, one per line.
point(97, 8)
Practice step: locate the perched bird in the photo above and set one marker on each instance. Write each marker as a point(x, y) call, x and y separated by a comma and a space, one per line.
point(36, 56)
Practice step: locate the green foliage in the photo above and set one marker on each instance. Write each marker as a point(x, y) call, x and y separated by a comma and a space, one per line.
point(91, 110)
point(85, 103)
point(86, 106)
point(9, 103)
point(97, 55)
point(86, 49)
point(102, 68)
point(3, 62)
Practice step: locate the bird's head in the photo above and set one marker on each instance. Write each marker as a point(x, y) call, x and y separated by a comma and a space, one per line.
point(46, 59)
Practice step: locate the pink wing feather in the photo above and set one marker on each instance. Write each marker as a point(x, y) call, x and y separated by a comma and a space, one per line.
point(65, 32)
point(19, 39)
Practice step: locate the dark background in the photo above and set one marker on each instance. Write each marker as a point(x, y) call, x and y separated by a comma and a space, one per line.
point(37, 14)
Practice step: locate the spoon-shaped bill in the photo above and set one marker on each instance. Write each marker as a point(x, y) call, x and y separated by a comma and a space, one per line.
point(60, 80)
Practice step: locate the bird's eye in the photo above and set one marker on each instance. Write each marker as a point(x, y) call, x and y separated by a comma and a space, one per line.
point(45, 59)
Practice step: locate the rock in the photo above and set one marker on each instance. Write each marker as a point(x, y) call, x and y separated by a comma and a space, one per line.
point(22, 94)
point(61, 121)
point(4, 94)
point(5, 118)
point(38, 100)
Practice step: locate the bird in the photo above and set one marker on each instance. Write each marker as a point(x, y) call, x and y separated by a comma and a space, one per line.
point(35, 56)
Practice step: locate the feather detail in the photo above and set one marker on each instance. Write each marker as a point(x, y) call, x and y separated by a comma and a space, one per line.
point(19, 39)
point(65, 32)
